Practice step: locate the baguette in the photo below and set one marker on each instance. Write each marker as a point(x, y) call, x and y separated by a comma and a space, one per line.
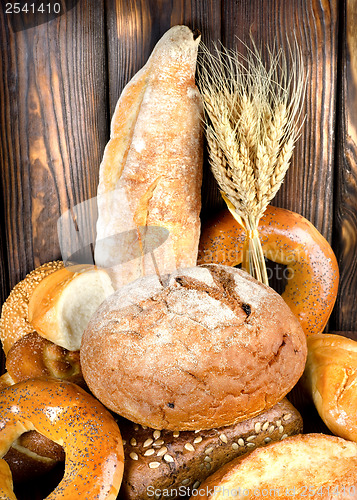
point(151, 173)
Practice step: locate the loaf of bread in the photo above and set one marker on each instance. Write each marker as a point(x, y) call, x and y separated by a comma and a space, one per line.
point(314, 466)
point(209, 347)
point(331, 379)
point(171, 464)
point(56, 302)
point(151, 173)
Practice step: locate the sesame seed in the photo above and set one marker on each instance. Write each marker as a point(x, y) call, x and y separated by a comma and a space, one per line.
point(195, 485)
point(154, 465)
point(257, 427)
point(144, 427)
point(197, 431)
point(189, 447)
point(197, 440)
point(281, 429)
point(156, 434)
point(287, 416)
point(124, 442)
point(271, 429)
point(161, 451)
point(223, 438)
point(278, 423)
point(265, 426)
point(202, 466)
point(158, 443)
point(209, 450)
point(208, 466)
point(241, 442)
point(235, 446)
point(149, 452)
point(133, 442)
point(176, 434)
point(168, 458)
point(267, 440)
point(251, 445)
point(284, 436)
point(134, 456)
point(148, 442)
point(185, 482)
point(208, 459)
point(251, 438)
point(136, 427)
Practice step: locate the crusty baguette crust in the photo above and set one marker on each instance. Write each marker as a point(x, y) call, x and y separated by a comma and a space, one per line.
point(330, 377)
point(151, 171)
point(314, 466)
point(179, 461)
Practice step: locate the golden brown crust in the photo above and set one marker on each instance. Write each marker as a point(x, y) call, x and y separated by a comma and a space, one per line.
point(212, 347)
point(315, 466)
point(169, 460)
point(66, 414)
point(34, 356)
point(287, 238)
point(32, 453)
point(154, 161)
point(14, 322)
point(330, 377)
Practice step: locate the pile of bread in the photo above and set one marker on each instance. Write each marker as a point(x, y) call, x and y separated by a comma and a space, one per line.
point(195, 362)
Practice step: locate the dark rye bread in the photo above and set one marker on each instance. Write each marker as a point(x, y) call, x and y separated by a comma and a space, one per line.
point(209, 347)
point(174, 463)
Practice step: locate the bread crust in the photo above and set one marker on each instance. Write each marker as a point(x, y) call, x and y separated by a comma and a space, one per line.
point(313, 465)
point(175, 463)
point(151, 171)
point(210, 348)
point(330, 377)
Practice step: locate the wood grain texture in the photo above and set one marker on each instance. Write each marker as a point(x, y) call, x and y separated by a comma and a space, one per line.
point(308, 187)
point(53, 128)
point(345, 230)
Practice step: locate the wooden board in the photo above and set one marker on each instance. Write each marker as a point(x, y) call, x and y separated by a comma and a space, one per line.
point(345, 229)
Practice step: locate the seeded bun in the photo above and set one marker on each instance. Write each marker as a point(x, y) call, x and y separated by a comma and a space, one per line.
point(210, 347)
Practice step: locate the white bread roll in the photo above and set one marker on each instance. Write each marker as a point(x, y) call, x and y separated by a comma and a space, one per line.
point(151, 171)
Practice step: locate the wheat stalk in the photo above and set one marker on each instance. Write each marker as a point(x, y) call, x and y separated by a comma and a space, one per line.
point(252, 111)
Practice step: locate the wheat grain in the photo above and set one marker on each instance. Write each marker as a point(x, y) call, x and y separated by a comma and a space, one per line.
point(251, 115)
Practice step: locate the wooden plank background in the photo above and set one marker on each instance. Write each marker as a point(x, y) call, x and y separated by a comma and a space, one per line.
point(61, 80)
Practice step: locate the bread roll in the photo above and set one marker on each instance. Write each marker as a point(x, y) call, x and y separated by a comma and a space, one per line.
point(62, 304)
point(210, 347)
point(174, 463)
point(54, 301)
point(150, 176)
point(331, 379)
point(312, 466)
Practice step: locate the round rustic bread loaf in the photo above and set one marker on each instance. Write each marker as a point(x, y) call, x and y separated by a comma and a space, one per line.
point(208, 347)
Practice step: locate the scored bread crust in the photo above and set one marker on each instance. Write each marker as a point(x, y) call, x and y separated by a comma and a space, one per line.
point(151, 172)
point(210, 348)
point(330, 377)
point(170, 460)
point(315, 466)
